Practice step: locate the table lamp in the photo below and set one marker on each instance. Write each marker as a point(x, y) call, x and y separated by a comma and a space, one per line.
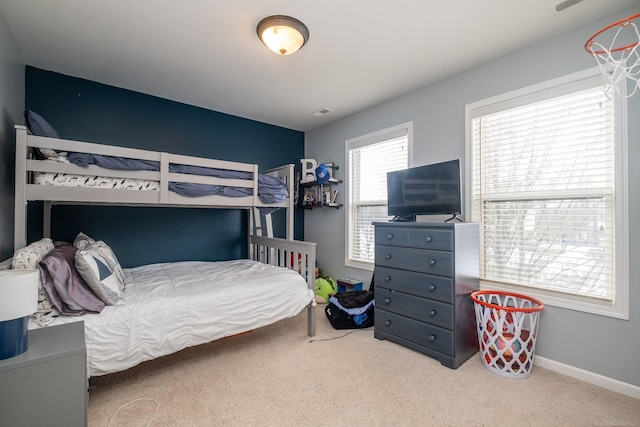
point(18, 300)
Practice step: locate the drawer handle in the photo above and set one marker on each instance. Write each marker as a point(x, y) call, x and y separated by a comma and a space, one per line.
point(432, 287)
point(389, 236)
point(387, 256)
point(432, 338)
point(433, 313)
point(387, 279)
point(432, 262)
point(429, 239)
point(387, 323)
point(387, 300)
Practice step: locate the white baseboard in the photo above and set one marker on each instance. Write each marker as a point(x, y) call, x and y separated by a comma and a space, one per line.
point(588, 377)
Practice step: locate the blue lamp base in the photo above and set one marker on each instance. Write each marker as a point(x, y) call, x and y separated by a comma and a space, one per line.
point(13, 337)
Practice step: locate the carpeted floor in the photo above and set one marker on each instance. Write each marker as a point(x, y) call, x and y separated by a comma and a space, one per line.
point(278, 376)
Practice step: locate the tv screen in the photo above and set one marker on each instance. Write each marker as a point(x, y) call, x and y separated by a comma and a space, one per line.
point(424, 190)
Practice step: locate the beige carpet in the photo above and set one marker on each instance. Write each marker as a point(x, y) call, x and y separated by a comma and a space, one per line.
point(275, 376)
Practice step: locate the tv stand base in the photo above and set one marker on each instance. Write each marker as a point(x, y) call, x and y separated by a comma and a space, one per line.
point(403, 218)
point(454, 218)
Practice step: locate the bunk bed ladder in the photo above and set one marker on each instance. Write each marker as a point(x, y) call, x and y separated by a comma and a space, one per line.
point(258, 228)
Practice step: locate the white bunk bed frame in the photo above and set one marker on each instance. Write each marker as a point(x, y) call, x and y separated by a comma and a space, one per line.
point(269, 250)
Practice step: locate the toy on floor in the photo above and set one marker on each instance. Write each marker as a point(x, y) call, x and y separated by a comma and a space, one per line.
point(325, 286)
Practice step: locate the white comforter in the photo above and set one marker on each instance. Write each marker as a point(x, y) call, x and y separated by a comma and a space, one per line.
point(171, 306)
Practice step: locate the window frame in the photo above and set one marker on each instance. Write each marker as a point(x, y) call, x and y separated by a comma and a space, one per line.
point(619, 307)
point(359, 142)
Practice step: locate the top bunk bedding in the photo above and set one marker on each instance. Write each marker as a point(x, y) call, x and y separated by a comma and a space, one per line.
point(107, 174)
point(271, 189)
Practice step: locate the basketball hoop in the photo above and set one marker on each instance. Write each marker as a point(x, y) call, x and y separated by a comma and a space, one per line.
point(618, 54)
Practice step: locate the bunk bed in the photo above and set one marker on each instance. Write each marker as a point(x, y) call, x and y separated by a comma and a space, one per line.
point(199, 301)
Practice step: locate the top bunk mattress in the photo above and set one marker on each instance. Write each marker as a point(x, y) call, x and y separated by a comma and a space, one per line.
point(94, 181)
point(172, 306)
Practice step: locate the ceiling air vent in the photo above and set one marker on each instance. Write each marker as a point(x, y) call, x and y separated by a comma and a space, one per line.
point(566, 4)
point(321, 112)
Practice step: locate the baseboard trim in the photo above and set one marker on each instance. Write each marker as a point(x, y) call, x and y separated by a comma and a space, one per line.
point(588, 377)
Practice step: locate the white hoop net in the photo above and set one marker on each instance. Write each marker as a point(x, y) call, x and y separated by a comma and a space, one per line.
point(506, 336)
point(618, 64)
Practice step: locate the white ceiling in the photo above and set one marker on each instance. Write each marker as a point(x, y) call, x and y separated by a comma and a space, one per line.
point(206, 52)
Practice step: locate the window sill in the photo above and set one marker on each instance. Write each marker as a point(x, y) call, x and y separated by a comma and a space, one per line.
point(570, 302)
point(360, 265)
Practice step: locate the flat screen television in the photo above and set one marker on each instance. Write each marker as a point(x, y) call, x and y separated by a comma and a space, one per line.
point(425, 190)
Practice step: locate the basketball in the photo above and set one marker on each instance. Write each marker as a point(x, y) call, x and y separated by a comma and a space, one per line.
point(322, 174)
point(503, 341)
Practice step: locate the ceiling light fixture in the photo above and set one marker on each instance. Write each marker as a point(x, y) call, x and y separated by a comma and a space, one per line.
point(282, 34)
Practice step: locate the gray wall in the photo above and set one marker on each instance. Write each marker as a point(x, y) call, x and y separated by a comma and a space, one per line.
point(11, 106)
point(602, 345)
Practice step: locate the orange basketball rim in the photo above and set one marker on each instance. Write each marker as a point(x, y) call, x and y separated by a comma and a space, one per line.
point(622, 23)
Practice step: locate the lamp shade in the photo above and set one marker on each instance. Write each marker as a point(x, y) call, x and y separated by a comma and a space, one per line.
point(18, 299)
point(282, 34)
point(18, 293)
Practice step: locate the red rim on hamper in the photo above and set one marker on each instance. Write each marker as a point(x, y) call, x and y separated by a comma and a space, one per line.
point(507, 325)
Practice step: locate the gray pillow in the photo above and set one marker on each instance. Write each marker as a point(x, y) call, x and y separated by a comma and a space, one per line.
point(82, 241)
point(99, 267)
point(66, 289)
point(38, 126)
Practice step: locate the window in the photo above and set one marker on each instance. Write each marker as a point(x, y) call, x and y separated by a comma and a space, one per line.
point(369, 158)
point(548, 186)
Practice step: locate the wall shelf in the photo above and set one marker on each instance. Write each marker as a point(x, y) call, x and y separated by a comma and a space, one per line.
point(315, 195)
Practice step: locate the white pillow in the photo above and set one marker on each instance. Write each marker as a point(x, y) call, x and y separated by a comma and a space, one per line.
point(100, 269)
point(28, 258)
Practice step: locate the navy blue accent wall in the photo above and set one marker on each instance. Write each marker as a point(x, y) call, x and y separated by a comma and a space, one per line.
point(88, 111)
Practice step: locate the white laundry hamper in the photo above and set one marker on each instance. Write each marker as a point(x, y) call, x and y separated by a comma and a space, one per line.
point(507, 326)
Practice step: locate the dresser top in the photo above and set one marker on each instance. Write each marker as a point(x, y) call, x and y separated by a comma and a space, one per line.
point(425, 224)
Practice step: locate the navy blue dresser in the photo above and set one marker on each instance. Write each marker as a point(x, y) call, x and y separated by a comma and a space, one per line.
point(424, 274)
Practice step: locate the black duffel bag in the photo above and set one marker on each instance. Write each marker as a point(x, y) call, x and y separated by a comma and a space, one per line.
point(343, 310)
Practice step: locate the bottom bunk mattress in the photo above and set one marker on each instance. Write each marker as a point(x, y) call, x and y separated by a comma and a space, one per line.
point(171, 306)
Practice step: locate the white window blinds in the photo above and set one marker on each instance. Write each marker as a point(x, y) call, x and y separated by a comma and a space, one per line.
point(369, 160)
point(544, 190)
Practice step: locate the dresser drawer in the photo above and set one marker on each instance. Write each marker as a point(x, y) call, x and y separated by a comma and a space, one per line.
point(423, 309)
point(414, 283)
point(422, 260)
point(441, 240)
point(421, 333)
